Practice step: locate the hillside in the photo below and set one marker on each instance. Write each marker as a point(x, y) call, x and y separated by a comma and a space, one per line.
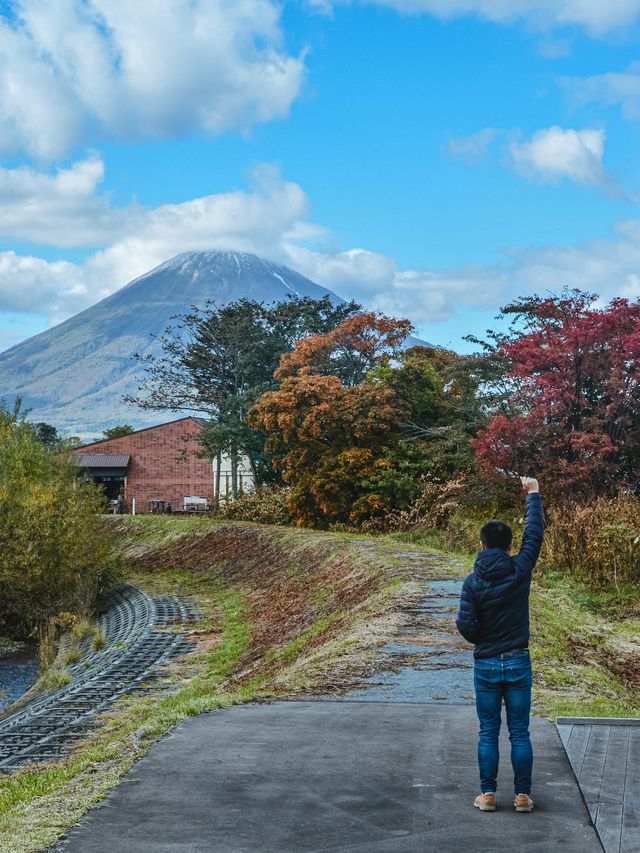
point(75, 374)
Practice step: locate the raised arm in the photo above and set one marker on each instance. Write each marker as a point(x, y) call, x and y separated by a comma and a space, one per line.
point(533, 528)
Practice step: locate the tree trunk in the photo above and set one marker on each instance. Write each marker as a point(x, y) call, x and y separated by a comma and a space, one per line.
point(234, 473)
point(254, 469)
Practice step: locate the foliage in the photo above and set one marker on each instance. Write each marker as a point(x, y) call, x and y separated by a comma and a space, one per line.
point(328, 431)
point(358, 422)
point(51, 438)
point(266, 505)
point(47, 434)
point(217, 361)
point(349, 351)
point(597, 542)
point(570, 400)
point(51, 542)
point(454, 510)
point(442, 389)
point(118, 431)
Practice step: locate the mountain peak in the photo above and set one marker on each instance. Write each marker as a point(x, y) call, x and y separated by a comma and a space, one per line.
point(75, 374)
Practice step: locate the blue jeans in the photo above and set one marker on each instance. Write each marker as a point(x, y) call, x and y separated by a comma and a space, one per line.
point(507, 677)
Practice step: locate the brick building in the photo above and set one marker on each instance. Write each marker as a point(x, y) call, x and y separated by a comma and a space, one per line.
point(156, 464)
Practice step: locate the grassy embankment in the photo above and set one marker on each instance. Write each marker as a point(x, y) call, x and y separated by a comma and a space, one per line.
point(284, 611)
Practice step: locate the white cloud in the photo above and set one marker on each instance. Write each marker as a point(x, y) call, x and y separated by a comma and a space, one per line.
point(259, 220)
point(614, 87)
point(139, 70)
point(255, 221)
point(271, 219)
point(610, 267)
point(34, 285)
point(472, 148)
point(554, 154)
point(595, 16)
point(60, 208)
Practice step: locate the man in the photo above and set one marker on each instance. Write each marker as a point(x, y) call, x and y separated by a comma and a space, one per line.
point(494, 615)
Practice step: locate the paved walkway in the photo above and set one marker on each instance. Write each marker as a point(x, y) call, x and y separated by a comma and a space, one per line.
point(342, 776)
point(388, 768)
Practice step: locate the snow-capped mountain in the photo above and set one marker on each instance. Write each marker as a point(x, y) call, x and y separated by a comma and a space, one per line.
point(75, 374)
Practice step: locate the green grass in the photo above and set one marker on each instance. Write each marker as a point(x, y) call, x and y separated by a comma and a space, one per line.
point(35, 807)
point(99, 640)
point(577, 636)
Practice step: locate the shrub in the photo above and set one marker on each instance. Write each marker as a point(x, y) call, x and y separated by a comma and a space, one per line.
point(267, 505)
point(455, 510)
point(52, 545)
point(598, 542)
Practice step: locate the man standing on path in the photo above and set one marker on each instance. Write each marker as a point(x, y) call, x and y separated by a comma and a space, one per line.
point(494, 615)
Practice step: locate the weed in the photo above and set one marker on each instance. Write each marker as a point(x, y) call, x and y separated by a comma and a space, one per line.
point(73, 655)
point(54, 678)
point(82, 628)
point(99, 638)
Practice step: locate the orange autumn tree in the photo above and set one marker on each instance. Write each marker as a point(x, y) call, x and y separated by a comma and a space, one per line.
point(331, 420)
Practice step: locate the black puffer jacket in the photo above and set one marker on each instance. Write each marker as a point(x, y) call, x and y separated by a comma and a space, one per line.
point(494, 602)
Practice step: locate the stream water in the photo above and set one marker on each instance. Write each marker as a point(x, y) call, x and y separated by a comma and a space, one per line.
point(17, 674)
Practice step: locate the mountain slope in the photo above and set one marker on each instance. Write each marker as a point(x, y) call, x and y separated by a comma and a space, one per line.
point(74, 375)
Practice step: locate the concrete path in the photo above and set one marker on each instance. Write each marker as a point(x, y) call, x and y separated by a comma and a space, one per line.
point(333, 776)
point(428, 661)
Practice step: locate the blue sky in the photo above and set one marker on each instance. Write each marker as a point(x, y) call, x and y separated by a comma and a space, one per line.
point(429, 166)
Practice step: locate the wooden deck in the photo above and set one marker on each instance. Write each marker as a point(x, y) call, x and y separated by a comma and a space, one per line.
point(605, 756)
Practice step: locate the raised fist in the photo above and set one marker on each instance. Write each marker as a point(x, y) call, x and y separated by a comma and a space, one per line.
point(529, 485)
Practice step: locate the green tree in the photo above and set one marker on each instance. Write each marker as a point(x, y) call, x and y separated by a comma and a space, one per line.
point(118, 431)
point(218, 361)
point(47, 434)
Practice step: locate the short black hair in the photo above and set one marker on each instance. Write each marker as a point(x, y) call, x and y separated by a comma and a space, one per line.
point(496, 534)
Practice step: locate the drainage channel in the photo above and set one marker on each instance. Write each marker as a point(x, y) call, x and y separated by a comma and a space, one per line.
point(46, 728)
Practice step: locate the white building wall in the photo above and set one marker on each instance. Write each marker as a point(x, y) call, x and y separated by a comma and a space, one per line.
point(245, 476)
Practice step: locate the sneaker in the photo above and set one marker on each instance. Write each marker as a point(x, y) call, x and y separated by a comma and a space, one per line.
point(523, 803)
point(485, 802)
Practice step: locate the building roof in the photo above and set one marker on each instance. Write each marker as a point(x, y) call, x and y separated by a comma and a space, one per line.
point(102, 460)
point(200, 422)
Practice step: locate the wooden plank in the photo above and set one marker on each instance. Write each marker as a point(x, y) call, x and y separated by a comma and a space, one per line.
point(565, 734)
point(610, 800)
point(577, 747)
point(590, 777)
point(630, 840)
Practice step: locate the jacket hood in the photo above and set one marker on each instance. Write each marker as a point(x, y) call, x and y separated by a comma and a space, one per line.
point(493, 564)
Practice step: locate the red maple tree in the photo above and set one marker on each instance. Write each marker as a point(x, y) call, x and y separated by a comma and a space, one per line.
point(572, 414)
